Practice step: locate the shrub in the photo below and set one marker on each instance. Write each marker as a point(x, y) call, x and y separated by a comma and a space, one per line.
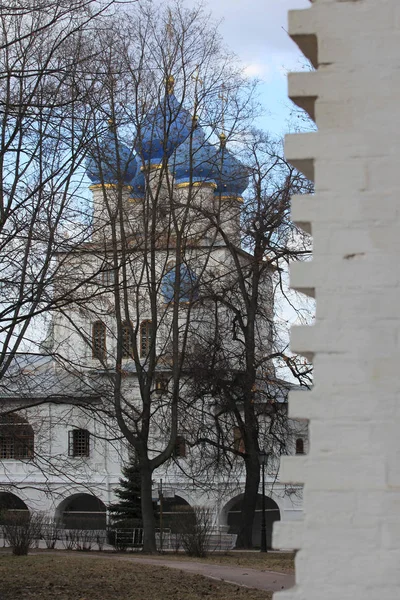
point(195, 534)
point(51, 531)
point(100, 539)
point(69, 539)
point(21, 530)
point(85, 539)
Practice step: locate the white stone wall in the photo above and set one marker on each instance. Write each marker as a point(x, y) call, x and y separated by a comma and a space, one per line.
point(52, 475)
point(348, 540)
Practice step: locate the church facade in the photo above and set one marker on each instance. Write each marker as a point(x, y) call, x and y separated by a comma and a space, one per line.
point(151, 291)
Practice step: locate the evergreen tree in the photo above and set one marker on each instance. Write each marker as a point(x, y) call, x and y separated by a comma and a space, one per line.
point(127, 511)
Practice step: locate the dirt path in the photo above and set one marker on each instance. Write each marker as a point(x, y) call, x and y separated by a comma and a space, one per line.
point(243, 576)
point(261, 580)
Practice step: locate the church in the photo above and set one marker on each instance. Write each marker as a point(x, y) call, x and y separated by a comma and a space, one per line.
point(139, 354)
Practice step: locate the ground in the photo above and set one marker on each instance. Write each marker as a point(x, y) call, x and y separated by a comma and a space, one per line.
point(75, 577)
point(272, 561)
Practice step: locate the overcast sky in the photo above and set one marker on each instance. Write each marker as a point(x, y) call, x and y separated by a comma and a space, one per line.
point(256, 31)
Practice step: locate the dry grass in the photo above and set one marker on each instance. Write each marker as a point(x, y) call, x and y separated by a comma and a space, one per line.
point(272, 561)
point(45, 577)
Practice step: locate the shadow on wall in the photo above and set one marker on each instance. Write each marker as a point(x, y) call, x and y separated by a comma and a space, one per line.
point(10, 503)
point(82, 511)
point(272, 514)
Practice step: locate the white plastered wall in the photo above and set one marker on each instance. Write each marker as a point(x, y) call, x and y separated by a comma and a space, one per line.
point(349, 537)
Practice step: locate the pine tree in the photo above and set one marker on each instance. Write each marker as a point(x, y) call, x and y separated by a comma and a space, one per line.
point(127, 511)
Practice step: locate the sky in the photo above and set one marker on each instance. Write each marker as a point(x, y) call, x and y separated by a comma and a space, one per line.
point(256, 30)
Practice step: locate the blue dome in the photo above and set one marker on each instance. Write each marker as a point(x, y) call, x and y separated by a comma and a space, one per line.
point(232, 177)
point(102, 165)
point(194, 160)
point(188, 285)
point(138, 183)
point(163, 130)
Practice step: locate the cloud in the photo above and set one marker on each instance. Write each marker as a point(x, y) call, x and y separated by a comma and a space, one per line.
point(257, 32)
point(261, 71)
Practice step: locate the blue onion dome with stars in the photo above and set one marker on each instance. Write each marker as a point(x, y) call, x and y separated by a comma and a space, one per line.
point(164, 129)
point(232, 176)
point(112, 162)
point(194, 160)
point(188, 285)
point(138, 183)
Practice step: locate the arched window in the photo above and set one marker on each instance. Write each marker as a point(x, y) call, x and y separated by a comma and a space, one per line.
point(78, 443)
point(299, 446)
point(99, 340)
point(188, 285)
point(16, 438)
point(146, 328)
point(127, 344)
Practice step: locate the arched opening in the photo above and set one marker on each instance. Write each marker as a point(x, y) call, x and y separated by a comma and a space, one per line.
point(272, 514)
point(10, 503)
point(177, 514)
point(82, 511)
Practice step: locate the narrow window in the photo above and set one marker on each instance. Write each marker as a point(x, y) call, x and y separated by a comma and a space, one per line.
point(180, 447)
point(16, 438)
point(145, 338)
point(238, 442)
point(78, 443)
point(127, 340)
point(108, 275)
point(99, 340)
point(299, 446)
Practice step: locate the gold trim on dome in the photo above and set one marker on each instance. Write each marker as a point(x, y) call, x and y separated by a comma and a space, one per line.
point(135, 199)
point(108, 186)
point(151, 167)
point(187, 184)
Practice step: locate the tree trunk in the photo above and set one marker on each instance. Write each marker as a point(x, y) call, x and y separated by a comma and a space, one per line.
point(149, 524)
point(245, 536)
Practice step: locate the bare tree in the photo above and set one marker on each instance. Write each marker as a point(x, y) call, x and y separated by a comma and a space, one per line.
point(44, 131)
point(165, 258)
point(236, 364)
point(151, 240)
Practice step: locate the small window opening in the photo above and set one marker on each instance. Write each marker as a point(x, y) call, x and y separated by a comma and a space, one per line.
point(161, 385)
point(180, 447)
point(79, 443)
point(99, 340)
point(299, 446)
point(17, 438)
point(146, 329)
point(127, 345)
